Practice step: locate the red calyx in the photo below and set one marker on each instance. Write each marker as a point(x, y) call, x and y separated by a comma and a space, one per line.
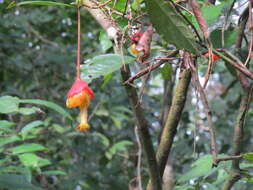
point(215, 57)
point(78, 86)
point(136, 36)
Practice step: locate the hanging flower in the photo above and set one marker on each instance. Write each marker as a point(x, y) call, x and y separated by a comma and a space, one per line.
point(80, 95)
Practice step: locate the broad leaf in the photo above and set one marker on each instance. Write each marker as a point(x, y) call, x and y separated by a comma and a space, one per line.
point(7, 140)
point(29, 111)
point(248, 156)
point(200, 168)
point(32, 160)
point(105, 42)
point(8, 104)
point(27, 148)
point(6, 124)
point(171, 25)
point(48, 104)
point(102, 65)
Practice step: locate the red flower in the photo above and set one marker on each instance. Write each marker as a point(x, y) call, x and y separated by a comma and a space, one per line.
point(80, 95)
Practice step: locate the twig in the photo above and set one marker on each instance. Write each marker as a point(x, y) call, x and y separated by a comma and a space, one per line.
point(78, 43)
point(239, 67)
point(207, 110)
point(251, 35)
point(139, 158)
point(228, 158)
point(37, 34)
point(147, 69)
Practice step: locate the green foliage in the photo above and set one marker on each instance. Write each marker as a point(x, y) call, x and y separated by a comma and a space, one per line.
point(171, 25)
point(39, 146)
point(45, 3)
point(102, 65)
point(15, 182)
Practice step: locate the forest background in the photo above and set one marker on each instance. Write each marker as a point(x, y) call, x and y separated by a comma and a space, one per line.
point(173, 133)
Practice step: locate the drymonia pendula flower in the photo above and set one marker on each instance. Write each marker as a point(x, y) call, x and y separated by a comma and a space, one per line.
point(80, 95)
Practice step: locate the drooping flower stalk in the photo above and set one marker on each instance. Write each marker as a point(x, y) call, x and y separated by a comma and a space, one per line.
point(80, 94)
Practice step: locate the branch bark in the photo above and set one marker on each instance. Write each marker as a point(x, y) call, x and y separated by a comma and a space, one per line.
point(170, 128)
point(143, 126)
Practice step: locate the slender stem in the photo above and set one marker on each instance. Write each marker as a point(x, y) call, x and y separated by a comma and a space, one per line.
point(78, 43)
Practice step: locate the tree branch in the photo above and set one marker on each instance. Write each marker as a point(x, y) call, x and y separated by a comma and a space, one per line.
point(173, 119)
point(149, 68)
point(114, 32)
point(235, 174)
point(142, 125)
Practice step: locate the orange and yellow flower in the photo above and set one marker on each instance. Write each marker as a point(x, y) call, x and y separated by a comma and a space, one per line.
point(80, 95)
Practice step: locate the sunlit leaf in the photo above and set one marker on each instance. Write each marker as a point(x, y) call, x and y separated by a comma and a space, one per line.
point(248, 156)
point(46, 3)
point(48, 104)
point(32, 160)
point(8, 104)
point(6, 124)
point(27, 148)
point(105, 42)
point(102, 65)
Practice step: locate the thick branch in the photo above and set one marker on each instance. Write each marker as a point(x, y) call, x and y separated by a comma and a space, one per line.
point(106, 22)
point(142, 125)
point(174, 116)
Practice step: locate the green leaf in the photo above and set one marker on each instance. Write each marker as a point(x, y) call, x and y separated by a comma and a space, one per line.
point(32, 160)
point(16, 182)
point(105, 42)
point(46, 3)
point(248, 156)
point(26, 129)
point(105, 141)
point(171, 25)
point(29, 111)
point(27, 148)
point(166, 71)
point(102, 65)
point(7, 140)
point(53, 172)
point(116, 147)
point(107, 78)
point(48, 104)
point(199, 168)
point(6, 124)
point(229, 38)
point(8, 104)
point(212, 12)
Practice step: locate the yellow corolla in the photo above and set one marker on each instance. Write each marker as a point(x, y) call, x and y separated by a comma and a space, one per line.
point(80, 95)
